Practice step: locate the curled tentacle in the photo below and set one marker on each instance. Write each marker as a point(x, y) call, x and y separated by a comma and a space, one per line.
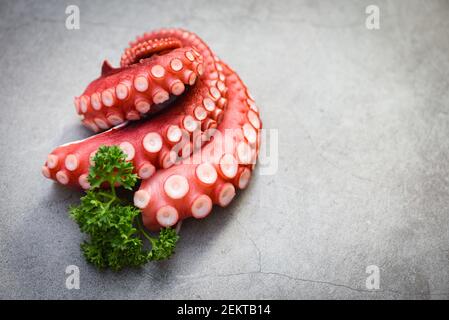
point(196, 152)
point(149, 144)
point(211, 177)
point(129, 92)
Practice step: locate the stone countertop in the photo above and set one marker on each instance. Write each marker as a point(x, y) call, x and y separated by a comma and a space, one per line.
point(362, 172)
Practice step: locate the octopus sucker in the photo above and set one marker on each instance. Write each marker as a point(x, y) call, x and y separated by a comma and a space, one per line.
point(176, 64)
point(174, 134)
point(167, 216)
point(176, 186)
point(200, 113)
point(224, 194)
point(128, 149)
point(142, 105)
point(152, 78)
point(52, 161)
point(142, 198)
point(84, 183)
point(141, 83)
point(115, 118)
point(228, 166)
point(201, 206)
point(122, 90)
point(46, 172)
point(152, 142)
point(194, 130)
point(101, 123)
point(160, 96)
point(146, 170)
point(206, 173)
point(62, 177)
point(71, 162)
point(95, 101)
point(177, 87)
point(133, 115)
point(108, 97)
point(243, 178)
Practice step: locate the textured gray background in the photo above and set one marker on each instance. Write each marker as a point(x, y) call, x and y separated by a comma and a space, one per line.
point(363, 150)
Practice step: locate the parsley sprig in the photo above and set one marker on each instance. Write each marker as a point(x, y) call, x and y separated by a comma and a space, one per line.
point(113, 225)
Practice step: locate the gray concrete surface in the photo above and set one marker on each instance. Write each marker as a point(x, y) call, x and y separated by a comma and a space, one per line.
point(363, 175)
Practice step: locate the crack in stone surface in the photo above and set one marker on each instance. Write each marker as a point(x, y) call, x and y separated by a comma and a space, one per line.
point(321, 282)
point(259, 254)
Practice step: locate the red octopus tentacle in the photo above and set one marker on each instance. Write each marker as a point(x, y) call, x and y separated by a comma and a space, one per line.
point(191, 188)
point(148, 143)
point(211, 70)
point(146, 49)
point(129, 92)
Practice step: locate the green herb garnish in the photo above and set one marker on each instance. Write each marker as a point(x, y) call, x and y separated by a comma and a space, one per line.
point(112, 224)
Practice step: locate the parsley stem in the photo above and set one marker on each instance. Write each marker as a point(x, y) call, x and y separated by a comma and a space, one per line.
point(139, 224)
point(107, 195)
point(113, 189)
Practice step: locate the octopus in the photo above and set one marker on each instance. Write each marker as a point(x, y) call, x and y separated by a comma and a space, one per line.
point(181, 115)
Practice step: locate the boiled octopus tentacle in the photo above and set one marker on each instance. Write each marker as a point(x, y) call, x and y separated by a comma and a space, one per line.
point(129, 92)
point(213, 117)
point(148, 144)
point(213, 72)
point(147, 77)
point(226, 163)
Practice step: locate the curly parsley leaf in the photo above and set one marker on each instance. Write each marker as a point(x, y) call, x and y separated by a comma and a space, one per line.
point(110, 166)
point(114, 241)
point(164, 246)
